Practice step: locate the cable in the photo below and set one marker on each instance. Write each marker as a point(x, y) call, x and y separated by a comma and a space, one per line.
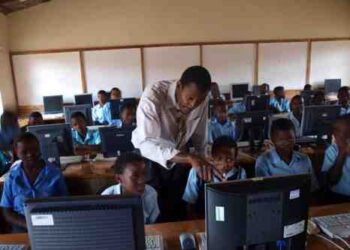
point(329, 241)
point(342, 240)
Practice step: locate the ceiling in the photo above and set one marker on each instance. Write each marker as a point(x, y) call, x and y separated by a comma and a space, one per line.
point(9, 6)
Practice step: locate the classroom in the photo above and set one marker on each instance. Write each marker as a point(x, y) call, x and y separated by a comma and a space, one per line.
point(159, 124)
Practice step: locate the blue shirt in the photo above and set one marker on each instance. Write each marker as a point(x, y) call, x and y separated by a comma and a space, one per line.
point(149, 201)
point(331, 155)
point(281, 106)
point(216, 129)
point(99, 114)
point(296, 123)
point(17, 188)
point(345, 111)
point(4, 163)
point(92, 137)
point(270, 164)
point(7, 137)
point(194, 184)
point(237, 108)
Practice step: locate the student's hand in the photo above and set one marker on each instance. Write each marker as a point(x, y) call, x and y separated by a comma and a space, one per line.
point(204, 168)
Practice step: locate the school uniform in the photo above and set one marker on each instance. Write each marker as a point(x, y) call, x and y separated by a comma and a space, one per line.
point(4, 163)
point(99, 113)
point(217, 129)
point(331, 155)
point(345, 110)
point(7, 137)
point(281, 105)
point(237, 108)
point(270, 164)
point(296, 123)
point(92, 137)
point(149, 201)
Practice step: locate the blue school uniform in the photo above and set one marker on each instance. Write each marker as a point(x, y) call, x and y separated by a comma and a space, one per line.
point(92, 137)
point(281, 106)
point(4, 163)
point(7, 137)
point(237, 108)
point(217, 129)
point(270, 164)
point(17, 188)
point(345, 111)
point(98, 114)
point(331, 155)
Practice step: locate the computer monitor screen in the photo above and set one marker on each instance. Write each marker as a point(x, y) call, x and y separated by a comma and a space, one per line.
point(256, 90)
point(86, 222)
point(258, 211)
point(253, 125)
point(317, 120)
point(307, 96)
point(53, 104)
point(115, 141)
point(85, 109)
point(83, 99)
point(257, 103)
point(55, 141)
point(116, 106)
point(239, 90)
point(332, 86)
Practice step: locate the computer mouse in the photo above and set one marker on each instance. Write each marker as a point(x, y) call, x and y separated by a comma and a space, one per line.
point(187, 241)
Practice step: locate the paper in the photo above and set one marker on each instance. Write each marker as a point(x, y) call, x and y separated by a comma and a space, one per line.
point(42, 220)
point(294, 194)
point(220, 213)
point(294, 229)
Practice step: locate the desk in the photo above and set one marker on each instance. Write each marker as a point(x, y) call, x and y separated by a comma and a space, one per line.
point(171, 231)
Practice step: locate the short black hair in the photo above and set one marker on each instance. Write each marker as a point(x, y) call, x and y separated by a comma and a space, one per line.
point(35, 115)
point(307, 86)
point(219, 103)
point(342, 119)
point(125, 159)
point(26, 137)
point(116, 89)
point(278, 89)
point(281, 124)
point(344, 88)
point(102, 92)
point(198, 75)
point(127, 106)
point(77, 115)
point(223, 141)
point(297, 97)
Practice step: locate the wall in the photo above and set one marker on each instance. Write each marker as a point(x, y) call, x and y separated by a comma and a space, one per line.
point(88, 23)
point(6, 85)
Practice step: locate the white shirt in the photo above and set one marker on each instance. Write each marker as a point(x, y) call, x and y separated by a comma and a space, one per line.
point(157, 116)
point(98, 113)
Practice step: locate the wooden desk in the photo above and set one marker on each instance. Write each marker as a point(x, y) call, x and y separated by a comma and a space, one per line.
point(171, 231)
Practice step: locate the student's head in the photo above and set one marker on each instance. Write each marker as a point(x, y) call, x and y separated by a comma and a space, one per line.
point(27, 149)
point(35, 118)
point(297, 104)
point(192, 89)
point(220, 111)
point(279, 92)
point(307, 87)
point(116, 94)
point(215, 92)
point(130, 171)
point(283, 135)
point(128, 114)
point(264, 89)
point(9, 120)
point(102, 97)
point(78, 122)
point(319, 98)
point(341, 130)
point(224, 153)
point(344, 96)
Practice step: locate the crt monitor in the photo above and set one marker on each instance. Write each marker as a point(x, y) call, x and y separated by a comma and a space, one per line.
point(257, 103)
point(271, 212)
point(307, 96)
point(53, 104)
point(239, 90)
point(86, 222)
point(85, 109)
point(116, 106)
point(115, 141)
point(83, 99)
point(256, 90)
point(55, 141)
point(332, 86)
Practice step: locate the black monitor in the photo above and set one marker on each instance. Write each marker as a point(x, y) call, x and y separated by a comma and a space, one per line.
point(85, 109)
point(332, 86)
point(259, 211)
point(115, 141)
point(257, 103)
point(83, 99)
point(86, 222)
point(53, 104)
point(256, 90)
point(240, 90)
point(116, 106)
point(307, 96)
point(55, 141)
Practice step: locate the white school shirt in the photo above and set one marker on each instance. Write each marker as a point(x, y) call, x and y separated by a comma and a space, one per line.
point(157, 124)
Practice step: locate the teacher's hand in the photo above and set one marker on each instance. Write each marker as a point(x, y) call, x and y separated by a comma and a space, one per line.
point(204, 168)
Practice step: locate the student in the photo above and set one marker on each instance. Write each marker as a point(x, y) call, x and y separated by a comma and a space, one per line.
point(130, 170)
point(319, 98)
point(34, 119)
point(264, 89)
point(215, 92)
point(29, 178)
point(9, 130)
point(279, 103)
point(343, 100)
point(296, 114)
point(127, 117)
point(98, 114)
point(116, 94)
point(283, 159)
point(307, 87)
point(224, 155)
point(336, 164)
point(237, 108)
point(220, 125)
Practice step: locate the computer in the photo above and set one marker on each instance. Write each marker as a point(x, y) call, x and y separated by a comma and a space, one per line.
point(307, 96)
point(116, 106)
point(86, 222)
point(85, 109)
point(257, 103)
point(331, 86)
point(115, 141)
point(53, 104)
point(84, 99)
point(239, 90)
point(271, 212)
point(256, 90)
point(55, 141)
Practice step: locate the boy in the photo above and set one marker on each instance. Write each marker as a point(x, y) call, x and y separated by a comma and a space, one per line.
point(34, 119)
point(282, 159)
point(279, 103)
point(224, 154)
point(343, 100)
point(130, 170)
point(127, 117)
point(319, 98)
point(296, 114)
point(28, 178)
point(307, 87)
point(98, 115)
point(336, 164)
point(9, 130)
point(264, 89)
point(84, 139)
point(220, 125)
point(116, 94)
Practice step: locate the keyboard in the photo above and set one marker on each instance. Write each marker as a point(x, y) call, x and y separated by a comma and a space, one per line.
point(334, 225)
point(101, 158)
point(53, 116)
point(305, 140)
point(65, 160)
point(154, 242)
point(13, 247)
